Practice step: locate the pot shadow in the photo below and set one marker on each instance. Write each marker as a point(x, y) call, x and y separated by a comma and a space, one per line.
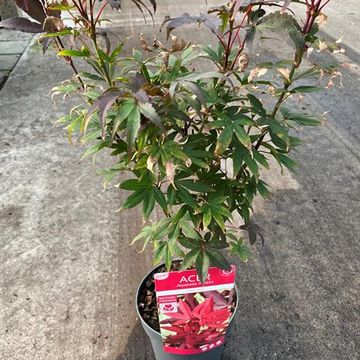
point(293, 301)
point(138, 346)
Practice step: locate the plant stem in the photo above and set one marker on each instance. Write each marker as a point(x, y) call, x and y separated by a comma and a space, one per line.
point(94, 40)
point(278, 104)
point(69, 60)
point(313, 10)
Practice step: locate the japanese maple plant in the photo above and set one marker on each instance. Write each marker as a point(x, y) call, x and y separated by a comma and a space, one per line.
point(192, 143)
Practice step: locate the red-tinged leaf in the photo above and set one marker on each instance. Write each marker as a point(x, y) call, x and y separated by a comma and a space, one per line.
point(217, 259)
point(35, 9)
point(195, 89)
point(105, 102)
point(21, 24)
point(133, 125)
point(149, 112)
point(211, 22)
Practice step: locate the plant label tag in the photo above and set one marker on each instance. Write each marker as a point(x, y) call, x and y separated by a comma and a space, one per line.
point(193, 316)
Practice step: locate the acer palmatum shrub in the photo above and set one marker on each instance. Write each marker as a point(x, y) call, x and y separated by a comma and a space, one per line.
point(173, 126)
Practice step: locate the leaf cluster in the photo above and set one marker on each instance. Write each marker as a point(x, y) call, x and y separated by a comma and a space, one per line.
point(194, 143)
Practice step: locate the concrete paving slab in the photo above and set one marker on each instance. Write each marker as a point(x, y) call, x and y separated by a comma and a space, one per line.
point(7, 62)
point(11, 35)
point(3, 76)
point(67, 273)
point(13, 47)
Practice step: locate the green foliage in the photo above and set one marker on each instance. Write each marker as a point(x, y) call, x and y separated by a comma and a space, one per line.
point(194, 144)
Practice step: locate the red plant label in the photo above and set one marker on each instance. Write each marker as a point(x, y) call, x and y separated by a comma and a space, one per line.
point(194, 316)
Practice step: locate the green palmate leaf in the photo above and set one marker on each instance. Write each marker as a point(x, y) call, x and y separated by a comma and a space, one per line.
point(69, 52)
point(299, 118)
point(168, 257)
point(64, 32)
point(224, 140)
point(207, 218)
point(134, 199)
point(189, 259)
point(180, 214)
point(116, 52)
point(148, 203)
point(221, 210)
point(195, 186)
point(306, 121)
point(262, 188)
point(190, 243)
point(149, 112)
point(195, 89)
point(279, 21)
point(133, 125)
point(160, 197)
point(305, 89)
point(159, 252)
point(217, 259)
point(133, 184)
point(84, 74)
point(202, 264)
point(239, 249)
point(62, 7)
point(260, 158)
point(286, 161)
point(186, 197)
point(126, 107)
point(188, 229)
point(257, 105)
point(205, 75)
point(211, 53)
point(94, 149)
point(241, 134)
point(244, 155)
point(219, 219)
point(237, 160)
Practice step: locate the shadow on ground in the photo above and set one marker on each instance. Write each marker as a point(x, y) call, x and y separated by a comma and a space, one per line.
point(297, 294)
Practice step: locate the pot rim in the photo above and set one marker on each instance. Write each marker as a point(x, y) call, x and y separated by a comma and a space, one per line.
point(148, 326)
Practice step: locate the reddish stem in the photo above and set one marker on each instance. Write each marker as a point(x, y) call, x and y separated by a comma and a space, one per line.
point(241, 24)
point(100, 12)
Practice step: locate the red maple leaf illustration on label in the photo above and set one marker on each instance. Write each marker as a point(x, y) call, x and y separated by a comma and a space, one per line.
point(196, 324)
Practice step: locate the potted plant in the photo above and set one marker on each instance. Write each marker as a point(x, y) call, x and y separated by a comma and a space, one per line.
point(192, 143)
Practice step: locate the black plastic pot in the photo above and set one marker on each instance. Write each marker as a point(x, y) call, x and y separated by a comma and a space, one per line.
point(156, 341)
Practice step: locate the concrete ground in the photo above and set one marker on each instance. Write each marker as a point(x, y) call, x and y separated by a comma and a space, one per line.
point(68, 276)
